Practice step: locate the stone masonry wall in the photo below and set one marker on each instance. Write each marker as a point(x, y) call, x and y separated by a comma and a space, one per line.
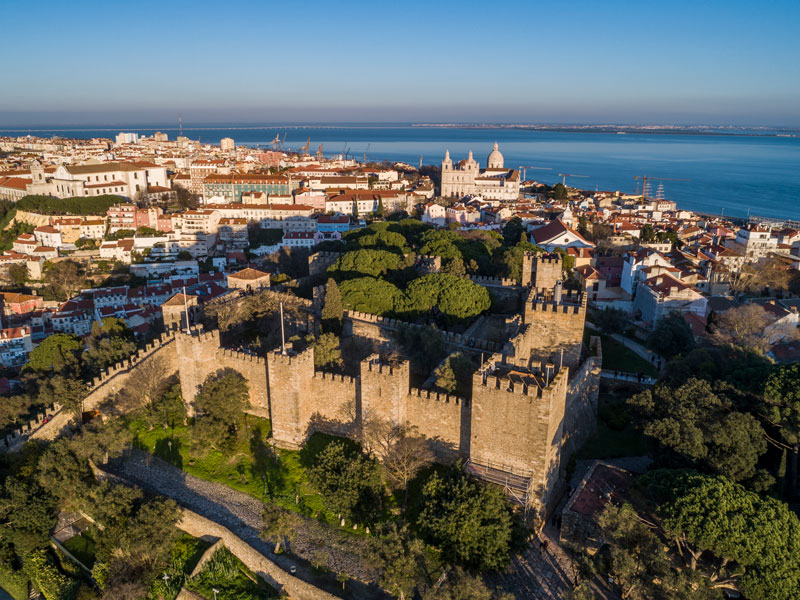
point(582, 395)
point(511, 426)
point(198, 526)
point(443, 419)
point(254, 370)
point(556, 327)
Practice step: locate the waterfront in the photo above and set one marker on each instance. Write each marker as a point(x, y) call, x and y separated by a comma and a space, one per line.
point(728, 174)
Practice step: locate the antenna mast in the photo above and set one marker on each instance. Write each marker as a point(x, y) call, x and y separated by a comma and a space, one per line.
point(283, 334)
point(186, 308)
point(180, 124)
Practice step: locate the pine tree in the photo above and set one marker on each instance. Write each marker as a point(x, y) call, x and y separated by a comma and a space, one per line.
point(332, 309)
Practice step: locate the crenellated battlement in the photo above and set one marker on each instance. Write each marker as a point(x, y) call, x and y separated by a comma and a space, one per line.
point(242, 356)
point(336, 377)
point(291, 357)
point(373, 364)
point(438, 396)
point(494, 281)
point(133, 360)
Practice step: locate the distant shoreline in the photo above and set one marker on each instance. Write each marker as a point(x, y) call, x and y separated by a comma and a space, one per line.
point(693, 130)
point(626, 129)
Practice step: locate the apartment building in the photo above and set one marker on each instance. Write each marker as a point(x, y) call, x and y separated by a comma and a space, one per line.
point(231, 187)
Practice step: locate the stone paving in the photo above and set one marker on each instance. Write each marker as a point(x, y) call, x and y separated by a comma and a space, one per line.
point(537, 573)
point(241, 514)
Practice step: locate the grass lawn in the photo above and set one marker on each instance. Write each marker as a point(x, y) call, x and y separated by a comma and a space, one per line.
point(253, 467)
point(82, 547)
point(615, 435)
point(620, 358)
point(232, 580)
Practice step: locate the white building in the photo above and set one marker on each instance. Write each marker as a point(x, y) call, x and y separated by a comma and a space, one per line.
point(663, 294)
point(47, 235)
point(467, 179)
point(755, 242)
point(226, 144)
point(557, 235)
point(435, 214)
point(15, 345)
point(127, 138)
point(636, 263)
point(121, 178)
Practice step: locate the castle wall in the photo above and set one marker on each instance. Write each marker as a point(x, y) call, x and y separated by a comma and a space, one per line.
point(319, 262)
point(384, 389)
point(332, 406)
point(556, 327)
point(547, 270)
point(290, 388)
point(116, 377)
point(441, 418)
point(197, 358)
point(254, 370)
point(582, 397)
point(507, 425)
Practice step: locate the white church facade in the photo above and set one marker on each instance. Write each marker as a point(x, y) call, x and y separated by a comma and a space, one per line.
point(466, 178)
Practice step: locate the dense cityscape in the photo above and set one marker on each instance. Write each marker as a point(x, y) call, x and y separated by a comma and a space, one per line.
point(381, 379)
point(432, 301)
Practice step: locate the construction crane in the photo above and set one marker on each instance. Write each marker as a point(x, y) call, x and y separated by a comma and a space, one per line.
point(276, 142)
point(646, 178)
point(304, 149)
point(319, 152)
point(523, 169)
point(565, 175)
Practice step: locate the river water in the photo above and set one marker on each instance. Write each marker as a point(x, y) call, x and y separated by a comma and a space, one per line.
point(730, 174)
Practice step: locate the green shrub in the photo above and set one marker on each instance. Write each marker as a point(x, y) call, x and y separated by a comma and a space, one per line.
point(14, 582)
point(46, 577)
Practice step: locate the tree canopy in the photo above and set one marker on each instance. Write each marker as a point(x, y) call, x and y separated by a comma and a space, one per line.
point(671, 335)
point(470, 522)
point(77, 205)
point(358, 263)
point(714, 514)
point(220, 406)
point(349, 482)
point(455, 297)
point(371, 295)
point(702, 424)
point(56, 353)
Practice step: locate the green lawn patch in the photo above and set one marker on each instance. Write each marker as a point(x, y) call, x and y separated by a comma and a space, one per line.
point(617, 357)
point(254, 467)
point(232, 580)
point(82, 547)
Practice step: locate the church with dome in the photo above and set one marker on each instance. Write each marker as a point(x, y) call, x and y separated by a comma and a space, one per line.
point(466, 178)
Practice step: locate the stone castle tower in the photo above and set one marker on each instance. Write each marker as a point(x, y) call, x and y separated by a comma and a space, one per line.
point(541, 271)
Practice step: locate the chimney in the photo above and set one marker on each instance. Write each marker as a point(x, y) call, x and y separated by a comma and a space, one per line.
point(557, 292)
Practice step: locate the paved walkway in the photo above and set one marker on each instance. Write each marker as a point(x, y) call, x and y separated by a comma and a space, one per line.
point(622, 376)
point(241, 514)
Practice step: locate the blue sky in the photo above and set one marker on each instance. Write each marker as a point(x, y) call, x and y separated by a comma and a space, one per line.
point(567, 62)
